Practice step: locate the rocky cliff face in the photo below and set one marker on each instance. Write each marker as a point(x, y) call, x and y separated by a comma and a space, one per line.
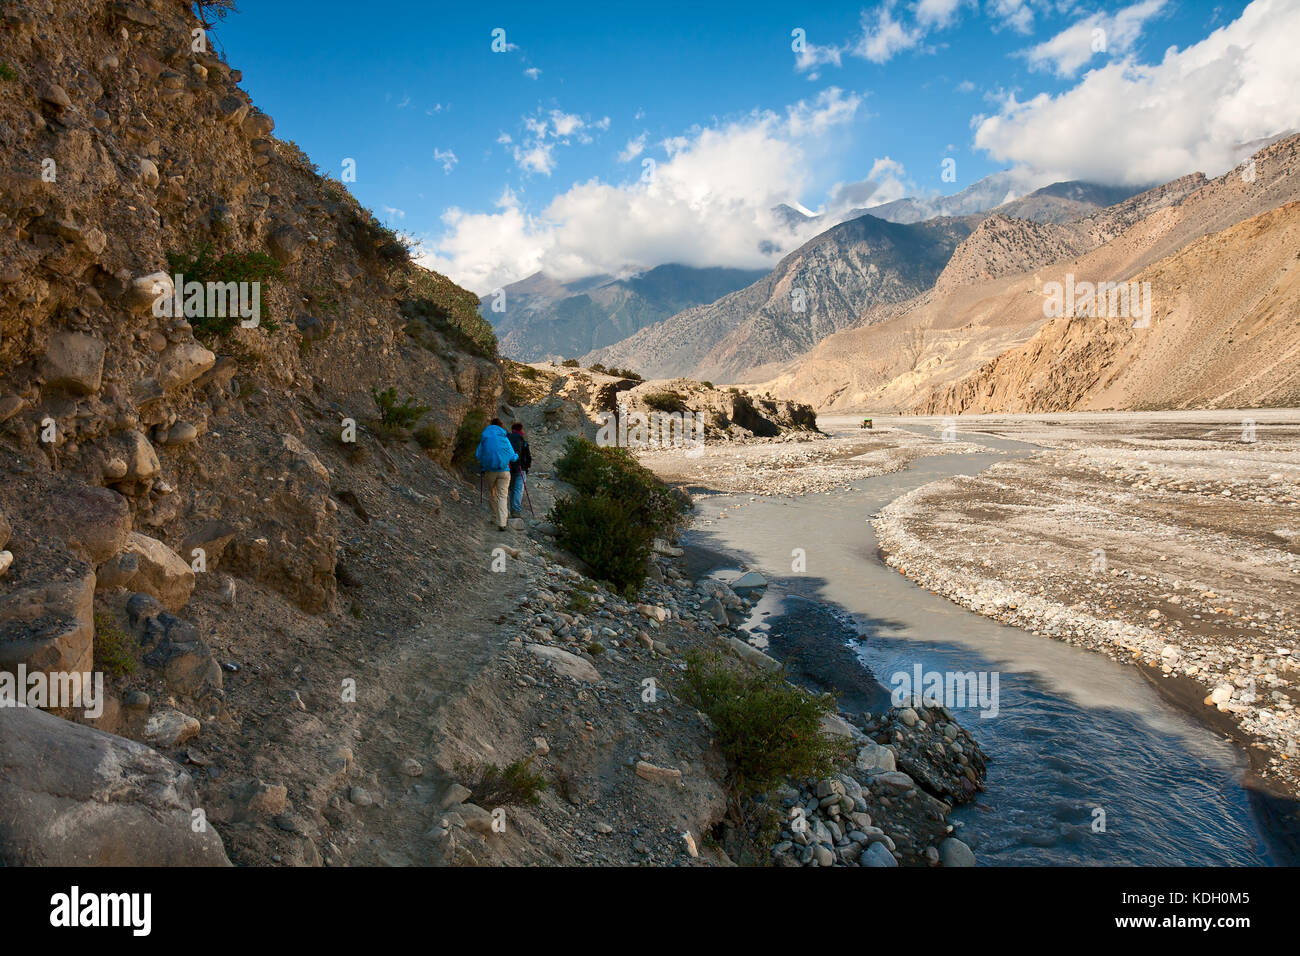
point(164, 455)
point(1225, 336)
point(820, 288)
point(937, 351)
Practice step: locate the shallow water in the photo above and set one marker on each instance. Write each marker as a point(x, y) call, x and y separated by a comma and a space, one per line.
point(1075, 733)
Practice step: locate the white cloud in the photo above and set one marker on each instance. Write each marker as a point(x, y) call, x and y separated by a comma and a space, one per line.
point(532, 72)
point(937, 12)
point(634, 148)
point(886, 182)
point(566, 124)
point(883, 33)
point(394, 213)
point(536, 158)
point(535, 152)
point(812, 55)
point(446, 157)
point(1137, 124)
point(1111, 34)
point(883, 36)
point(1016, 14)
point(707, 201)
point(965, 86)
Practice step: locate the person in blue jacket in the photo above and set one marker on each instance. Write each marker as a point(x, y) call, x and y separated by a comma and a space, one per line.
point(495, 455)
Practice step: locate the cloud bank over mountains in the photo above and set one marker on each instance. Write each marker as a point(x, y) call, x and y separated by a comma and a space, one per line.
point(707, 197)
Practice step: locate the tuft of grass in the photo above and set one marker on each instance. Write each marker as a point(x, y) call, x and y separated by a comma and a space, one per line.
point(7, 71)
point(429, 437)
point(491, 786)
point(433, 303)
point(393, 415)
point(114, 648)
point(667, 401)
point(467, 436)
point(204, 265)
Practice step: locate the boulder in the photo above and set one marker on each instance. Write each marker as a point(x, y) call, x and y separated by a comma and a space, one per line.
point(570, 665)
point(877, 855)
point(133, 448)
point(144, 291)
point(162, 573)
point(183, 362)
point(170, 728)
point(175, 647)
point(952, 852)
point(93, 522)
point(875, 758)
point(74, 362)
point(286, 244)
point(257, 124)
point(212, 537)
point(49, 626)
point(71, 795)
point(648, 771)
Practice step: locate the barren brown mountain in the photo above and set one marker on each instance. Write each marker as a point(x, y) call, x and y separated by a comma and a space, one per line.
point(990, 298)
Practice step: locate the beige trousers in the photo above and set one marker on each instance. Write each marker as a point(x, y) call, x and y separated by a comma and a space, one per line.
point(498, 484)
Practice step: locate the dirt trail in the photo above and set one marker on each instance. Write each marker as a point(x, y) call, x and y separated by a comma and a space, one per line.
point(420, 675)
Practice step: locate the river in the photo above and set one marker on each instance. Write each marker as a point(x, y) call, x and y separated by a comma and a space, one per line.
point(1088, 765)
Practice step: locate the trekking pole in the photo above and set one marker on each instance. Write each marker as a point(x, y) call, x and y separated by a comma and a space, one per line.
point(523, 476)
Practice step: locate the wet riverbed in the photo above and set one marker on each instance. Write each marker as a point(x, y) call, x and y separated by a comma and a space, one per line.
point(1088, 765)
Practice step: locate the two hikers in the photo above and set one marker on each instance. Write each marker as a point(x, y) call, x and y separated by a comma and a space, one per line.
point(519, 468)
point(496, 455)
point(504, 460)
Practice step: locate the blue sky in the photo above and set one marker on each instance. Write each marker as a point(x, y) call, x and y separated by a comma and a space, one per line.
point(503, 163)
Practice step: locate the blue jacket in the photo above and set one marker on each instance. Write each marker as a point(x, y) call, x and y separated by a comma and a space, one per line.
point(495, 453)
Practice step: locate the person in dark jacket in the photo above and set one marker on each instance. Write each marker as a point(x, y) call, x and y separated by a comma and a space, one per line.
point(495, 455)
point(518, 469)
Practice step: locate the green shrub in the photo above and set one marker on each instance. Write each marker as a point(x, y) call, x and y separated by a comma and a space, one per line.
point(377, 241)
point(620, 508)
point(627, 373)
point(203, 265)
point(666, 401)
point(491, 786)
point(467, 435)
point(597, 367)
point(613, 472)
point(7, 71)
point(429, 437)
point(435, 302)
point(708, 385)
point(393, 415)
point(570, 363)
point(768, 729)
point(606, 534)
point(114, 656)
